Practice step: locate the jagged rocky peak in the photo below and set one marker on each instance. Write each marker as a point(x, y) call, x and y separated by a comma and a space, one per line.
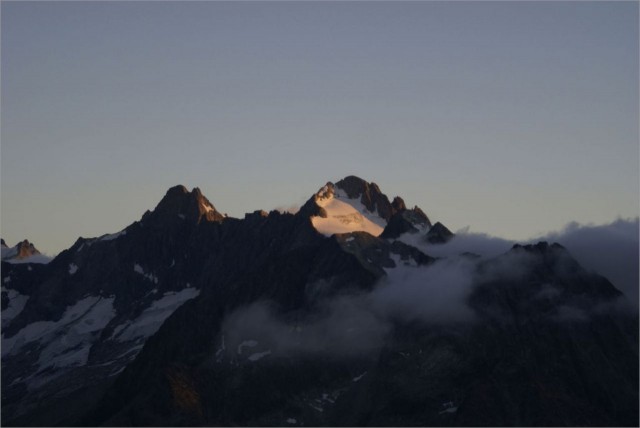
point(398, 204)
point(2, 243)
point(326, 191)
point(179, 203)
point(353, 204)
point(20, 251)
point(26, 249)
point(439, 234)
point(369, 195)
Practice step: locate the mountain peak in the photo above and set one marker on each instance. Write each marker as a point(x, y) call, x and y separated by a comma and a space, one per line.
point(20, 251)
point(439, 233)
point(193, 206)
point(369, 195)
point(356, 186)
point(353, 204)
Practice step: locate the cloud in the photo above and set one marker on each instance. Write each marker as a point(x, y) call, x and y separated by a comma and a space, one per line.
point(610, 250)
point(472, 242)
point(433, 294)
point(341, 327)
point(356, 325)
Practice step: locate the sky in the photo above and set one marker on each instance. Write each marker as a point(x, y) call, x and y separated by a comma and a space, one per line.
point(511, 118)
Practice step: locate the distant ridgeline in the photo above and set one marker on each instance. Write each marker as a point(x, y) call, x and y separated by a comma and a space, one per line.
point(336, 315)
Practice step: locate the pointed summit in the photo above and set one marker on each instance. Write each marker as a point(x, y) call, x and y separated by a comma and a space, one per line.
point(369, 194)
point(20, 251)
point(353, 204)
point(179, 203)
point(439, 234)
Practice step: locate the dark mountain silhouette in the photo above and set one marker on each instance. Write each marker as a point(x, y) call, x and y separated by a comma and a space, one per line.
point(189, 317)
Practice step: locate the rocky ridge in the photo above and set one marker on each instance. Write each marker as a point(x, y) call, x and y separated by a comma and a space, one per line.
point(189, 317)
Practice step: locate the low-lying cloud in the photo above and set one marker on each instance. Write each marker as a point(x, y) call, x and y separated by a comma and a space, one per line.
point(610, 250)
point(435, 294)
point(470, 242)
point(360, 324)
point(342, 327)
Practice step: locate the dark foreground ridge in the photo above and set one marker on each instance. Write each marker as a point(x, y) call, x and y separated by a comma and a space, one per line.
point(189, 318)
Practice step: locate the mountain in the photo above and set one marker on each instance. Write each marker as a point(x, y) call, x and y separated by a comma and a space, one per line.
point(22, 252)
point(352, 204)
point(336, 315)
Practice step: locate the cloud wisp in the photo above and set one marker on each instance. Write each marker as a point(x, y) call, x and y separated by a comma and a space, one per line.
point(358, 325)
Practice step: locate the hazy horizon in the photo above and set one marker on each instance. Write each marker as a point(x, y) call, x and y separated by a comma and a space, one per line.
point(513, 118)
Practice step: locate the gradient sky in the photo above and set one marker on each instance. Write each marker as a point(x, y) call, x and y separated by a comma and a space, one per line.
point(513, 118)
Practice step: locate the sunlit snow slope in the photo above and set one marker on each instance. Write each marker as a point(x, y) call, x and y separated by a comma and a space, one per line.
point(345, 215)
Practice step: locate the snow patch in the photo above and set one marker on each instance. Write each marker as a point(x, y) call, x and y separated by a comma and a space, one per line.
point(291, 421)
point(320, 409)
point(73, 268)
point(152, 318)
point(66, 342)
point(112, 236)
point(207, 208)
point(151, 277)
point(346, 215)
point(259, 355)
point(448, 408)
point(357, 378)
